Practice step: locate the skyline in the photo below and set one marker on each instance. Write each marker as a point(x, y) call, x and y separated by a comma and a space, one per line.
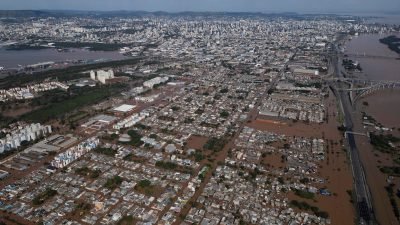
point(304, 6)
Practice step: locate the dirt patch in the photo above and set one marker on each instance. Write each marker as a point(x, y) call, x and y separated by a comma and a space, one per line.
point(196, 142)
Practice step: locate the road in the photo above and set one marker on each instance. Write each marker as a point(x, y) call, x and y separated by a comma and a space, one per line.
point(364, 201)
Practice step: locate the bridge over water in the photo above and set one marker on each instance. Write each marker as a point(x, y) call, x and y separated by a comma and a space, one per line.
point(364, 55)
point(360, 88)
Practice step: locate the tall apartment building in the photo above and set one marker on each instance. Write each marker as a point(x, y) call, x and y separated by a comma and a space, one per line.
point(101, 75)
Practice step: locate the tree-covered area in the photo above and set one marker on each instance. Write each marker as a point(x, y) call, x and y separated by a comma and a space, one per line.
point(393, 202)
point(93, 46)
point(215, 144)
point(224, 114)
point(65, 74)
point(42, 197)
point(126, 220)
point(60, 104)
point(304, 194)
point(166, 165)
point(113, 182)
point(85, 171)
point(81, 208)
point(390, 170)
point(305, 206)
point(146, 187)
point(382, 142)
point(392, 42)
point(106, 151)
point(173, 166)
point(20, 47)
point(135, 138)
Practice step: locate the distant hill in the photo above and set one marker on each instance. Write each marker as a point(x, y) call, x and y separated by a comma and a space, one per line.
point(57, 13)
point(123, 13)
point(23, 13)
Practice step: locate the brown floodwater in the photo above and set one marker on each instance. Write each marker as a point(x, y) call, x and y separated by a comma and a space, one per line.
point(375, 68)
point(384, 106)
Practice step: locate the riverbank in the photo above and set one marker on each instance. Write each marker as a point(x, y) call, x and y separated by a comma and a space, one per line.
point(384, 107)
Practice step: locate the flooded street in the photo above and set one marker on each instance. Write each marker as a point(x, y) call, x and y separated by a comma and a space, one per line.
point(334, 169)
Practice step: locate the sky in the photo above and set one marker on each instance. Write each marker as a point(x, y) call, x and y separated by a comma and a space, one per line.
point(317, 6)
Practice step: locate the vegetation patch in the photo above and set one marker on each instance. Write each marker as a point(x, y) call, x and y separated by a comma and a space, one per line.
point(391, 170)
point(65, 74)
point(142, 126)
point(392, 42)
point(224, 114)
point(135, 138)
point(198, 156)
point(173, 166)
point(133, 158)
point(127, 220)
point(106, 151)
point(42, 197)
point(393, 203)
point(86, 172)
point(93, 46)
point(382, 142)
point(215, 144)
point(304, 194)
point(113, 182)
point(73, 102)
point(305, 206)
point(147, 188)
point(82, 208)
point(167, 165)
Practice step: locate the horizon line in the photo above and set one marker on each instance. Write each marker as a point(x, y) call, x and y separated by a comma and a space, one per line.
point(384, 12)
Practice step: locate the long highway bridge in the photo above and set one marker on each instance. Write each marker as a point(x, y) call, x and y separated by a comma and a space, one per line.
point(364, 55)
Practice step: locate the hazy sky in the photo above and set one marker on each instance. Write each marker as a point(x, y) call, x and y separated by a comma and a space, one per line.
point(211, 5)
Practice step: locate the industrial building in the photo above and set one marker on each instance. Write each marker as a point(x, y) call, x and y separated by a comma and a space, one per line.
point(124, 108)
point(155, 81)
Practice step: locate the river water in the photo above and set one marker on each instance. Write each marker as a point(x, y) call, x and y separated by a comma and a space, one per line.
point(11, 59)
point(384, 105)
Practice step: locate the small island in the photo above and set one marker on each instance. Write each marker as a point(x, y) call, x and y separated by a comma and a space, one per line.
point(392, 42)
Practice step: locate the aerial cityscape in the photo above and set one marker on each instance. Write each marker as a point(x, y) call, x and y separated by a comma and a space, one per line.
point(198, 117)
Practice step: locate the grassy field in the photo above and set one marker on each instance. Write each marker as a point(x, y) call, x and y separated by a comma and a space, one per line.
point(57, 109)
point(70, 73)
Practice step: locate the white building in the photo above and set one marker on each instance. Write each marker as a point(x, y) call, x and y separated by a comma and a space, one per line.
point(30, 132)
point(154, 81)
point(101, 75)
